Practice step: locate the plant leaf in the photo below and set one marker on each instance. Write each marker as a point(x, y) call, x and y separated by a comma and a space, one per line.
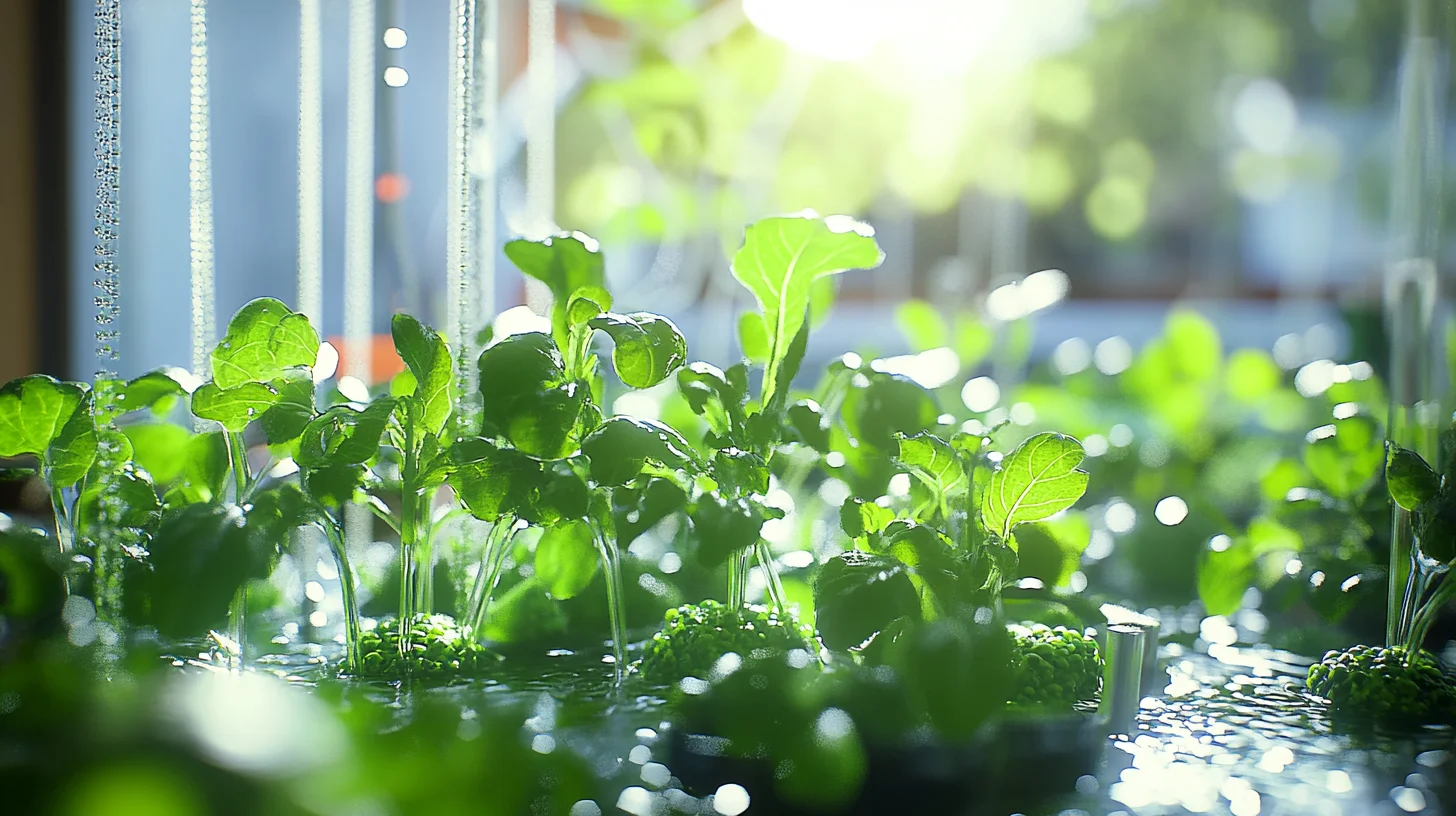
point(292, 411)
point(198, 559)
point(890, 404)
point(781, 258)
point(428, 357)
point(621, 447)
point(233, 408)
point(133, 503)
point(753, 337)
point(345, 436)
point(856, 594)
point(1037, 480)
point(586, 303)
point(725, 526)
point(33, 411)
point(933, 461)
point(264, 339)
point(1410, 480)
point(566, 559)
point(922, 324)
point(1224, 576)
point(859, 518)
point(160, 448)
point(715, 396)
point(154, 389)
point(492, 482)
point(648, 348)
point(527, 398)
point(74, 449)
point(566, 263)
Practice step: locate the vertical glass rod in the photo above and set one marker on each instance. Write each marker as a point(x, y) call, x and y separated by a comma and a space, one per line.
point(199, 198)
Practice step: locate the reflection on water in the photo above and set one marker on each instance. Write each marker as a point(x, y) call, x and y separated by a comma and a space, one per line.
point(1232, 733)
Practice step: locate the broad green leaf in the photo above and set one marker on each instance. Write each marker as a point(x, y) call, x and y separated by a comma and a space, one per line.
point(959, 671)
point(1436, 531)
point(1225, 575)
point(933, 461)
point(586, 303)
point(527, 398)
point(857, 594)
point(125, 499)
point(922, 324)
point(1410, 480)
point(33, 411)
point(155, 389)
point(809, 424)
point(264, 339)
point(276, 512)
point(725, 526)
point(566, 263)
point(638, 508)
point(859, 518)
point(204, 471)
point(648, 347)
point(1037, 480)
point(428, 357)
point(781, 258)
point(492, 482)
point(715, 396)
point(334, 486)
point(622, 446)
point(292, 412)
point(973, 340)
point(345, 436)
point(822, 294)
point(739, 472)
point(525, 613)
point(160, 448)
point(1267, 535)
point(201, 555)
point(233, 408)
point(1345, 456)
point(73, 451)
point(753, 337)
point(566, 559)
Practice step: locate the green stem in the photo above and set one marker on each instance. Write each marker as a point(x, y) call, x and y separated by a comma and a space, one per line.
point(353, 628)
point(407, 532)
point(238, 463)
point(1426, 617)
point(616, 611)
point(424, 558)
point(738, 579)
point(64, 534)
point(381, 512)
point(777, 599)
point(238, 624)
point(497, 546)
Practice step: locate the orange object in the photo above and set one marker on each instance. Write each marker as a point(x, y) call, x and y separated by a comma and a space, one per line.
point(391, 188)
point(384, 361)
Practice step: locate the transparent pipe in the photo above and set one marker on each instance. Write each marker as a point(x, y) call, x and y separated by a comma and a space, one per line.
point(199, 199)
point(483, 156)
point(310, 162)
point(461, 245)
point(1418, 310)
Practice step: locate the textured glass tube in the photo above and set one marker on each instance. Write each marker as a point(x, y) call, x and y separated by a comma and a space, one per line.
point(199, 198)
point(310, 162)
point(108, 184)
point(483, 158)
point(359, 194)
point(460, 243)
point(541, 118)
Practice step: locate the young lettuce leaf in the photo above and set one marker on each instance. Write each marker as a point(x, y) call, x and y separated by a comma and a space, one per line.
point(1037, 480)
point(264, 339)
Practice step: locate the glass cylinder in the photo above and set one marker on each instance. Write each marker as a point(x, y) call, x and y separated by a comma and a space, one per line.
point(1418, 296)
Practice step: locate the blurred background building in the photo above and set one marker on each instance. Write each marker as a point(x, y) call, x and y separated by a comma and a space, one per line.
point(1233, 155)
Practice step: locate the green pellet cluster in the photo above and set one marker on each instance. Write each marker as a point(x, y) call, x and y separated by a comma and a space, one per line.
point(1053, 668)
point(696, 635)
point(1384, 684)
point(439, 648)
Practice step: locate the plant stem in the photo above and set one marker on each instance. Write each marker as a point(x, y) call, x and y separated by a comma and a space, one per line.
point(407, 529)
point(497, 546)
point(738, 579)
point(612, 572)
point(1426, 617)
point(776, 596)
point(353, 628)
point(238, 624)
point(64, 534)
point(424, 558)
point(238, 463)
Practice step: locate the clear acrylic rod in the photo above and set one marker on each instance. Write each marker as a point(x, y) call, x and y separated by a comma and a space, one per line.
point(359, 193)
point(310, 162)
point(460, 243)
point(108, 185)
point(199, 198)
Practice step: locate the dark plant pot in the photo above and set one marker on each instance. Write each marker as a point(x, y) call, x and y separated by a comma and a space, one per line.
point(1015, 764)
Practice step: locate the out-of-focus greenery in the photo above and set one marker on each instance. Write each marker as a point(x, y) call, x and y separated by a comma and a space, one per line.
point(1111, 120)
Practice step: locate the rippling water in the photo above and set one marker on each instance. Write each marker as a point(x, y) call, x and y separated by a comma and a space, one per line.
point(1232, 732)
